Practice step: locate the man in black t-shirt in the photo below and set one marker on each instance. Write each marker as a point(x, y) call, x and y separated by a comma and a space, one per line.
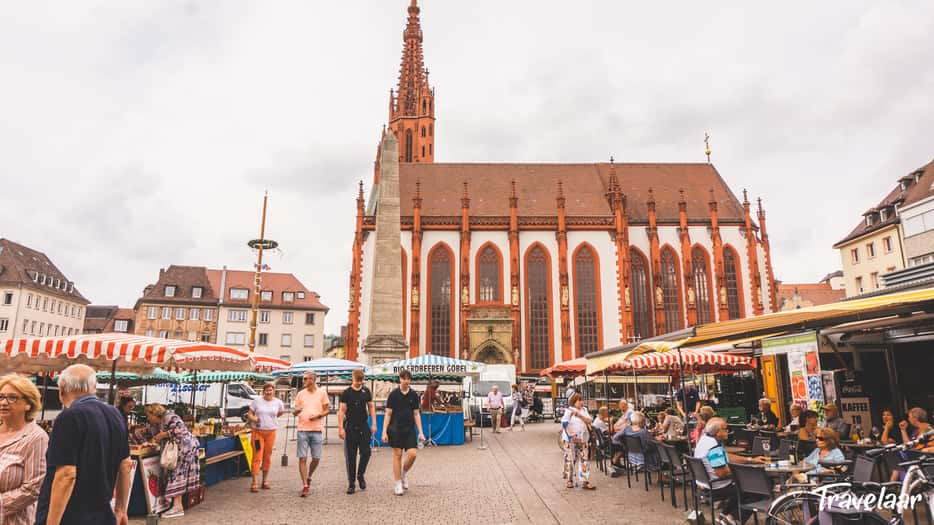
point(402, 412)
point(88, 457)
point(356, 403)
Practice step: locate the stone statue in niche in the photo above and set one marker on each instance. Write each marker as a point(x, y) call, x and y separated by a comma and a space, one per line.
point(659, 295)
point(627, 297)
point(465, 296)
point(415, 296)
point(564, 295)
point(515, 296)
point(723, 295)
point(690, 296)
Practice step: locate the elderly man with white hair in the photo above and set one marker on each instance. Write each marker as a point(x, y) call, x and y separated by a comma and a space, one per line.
point(765, 417)
point(88, 457)
point(711, 450)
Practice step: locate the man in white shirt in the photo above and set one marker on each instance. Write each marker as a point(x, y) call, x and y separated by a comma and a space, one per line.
point(495, 401)
point(711, 450)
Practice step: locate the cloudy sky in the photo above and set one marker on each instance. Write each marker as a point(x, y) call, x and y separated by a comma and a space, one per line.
point(135, 135)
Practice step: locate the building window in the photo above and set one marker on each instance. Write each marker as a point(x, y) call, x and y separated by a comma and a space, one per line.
point(671, 290)
point(641, 298)
point(887, 244)
point(702, 286)
point(178, 334)
point(265, 296)
point(286, 339)
point(45, 304)
point(121, 325)
point(32, 328)
point(197, 292)
point(150, 332)
point(236, 316)
point(871, 250)
point(440, 328)
point(194, 314)
point(854, 255)
point(309, 341)
point(263, 339)
point(205, 338)
point(164, 334)
point(4, 325)
point(208, 314)
point(300, 295)
point(288, 297)
point(586, 301)
point(60, 308)
point(264, 316)
point(874, 281)
point(170, 290)
point(538, 301)
point(235, 338)
point(731, 276)
point(166, 312)
point(180, 314)
point(408, 146)
point(309, 318)
point(239, 294)
point(287, 317)
point(7, 298)
point(29, 301)
point(859, 285)
point(488, 278)
point(55, 332)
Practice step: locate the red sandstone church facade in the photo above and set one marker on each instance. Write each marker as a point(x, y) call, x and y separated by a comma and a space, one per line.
point(534, 264)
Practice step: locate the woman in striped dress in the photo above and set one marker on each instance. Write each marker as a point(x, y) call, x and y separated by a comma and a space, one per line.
point(22, 451)
point(186, 475)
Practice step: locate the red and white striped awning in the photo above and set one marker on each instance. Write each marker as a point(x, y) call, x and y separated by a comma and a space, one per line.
point(129, 352)
point(691, 359)
point(265, 363)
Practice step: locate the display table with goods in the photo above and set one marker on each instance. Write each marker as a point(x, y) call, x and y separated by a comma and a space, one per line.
point(227, 450)
point(446, 428)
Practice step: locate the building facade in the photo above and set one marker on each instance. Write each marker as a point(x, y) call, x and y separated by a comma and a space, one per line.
point(917, 218)
point(533, 264)
point(109, 319)
point(182, 304)
point(36, 299)
point(290, 317)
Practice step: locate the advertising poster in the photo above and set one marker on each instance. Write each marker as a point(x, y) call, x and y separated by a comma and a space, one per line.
point(152, 483)
point(801, 350)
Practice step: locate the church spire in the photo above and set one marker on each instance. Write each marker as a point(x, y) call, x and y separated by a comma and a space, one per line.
point(412, 104)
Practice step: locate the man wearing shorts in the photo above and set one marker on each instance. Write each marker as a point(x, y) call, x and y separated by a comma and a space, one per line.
point(311, 406)
point(402, 414)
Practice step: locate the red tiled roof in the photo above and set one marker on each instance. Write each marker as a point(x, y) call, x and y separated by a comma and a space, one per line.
point(22, 265)
point(585, 187)
point(910, 195)
point(274, 282)
point(184, 278)
point(815, 293)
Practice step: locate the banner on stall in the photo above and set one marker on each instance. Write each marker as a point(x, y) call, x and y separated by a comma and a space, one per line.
point(152, 484)
point(807, 389)
point(247, 445)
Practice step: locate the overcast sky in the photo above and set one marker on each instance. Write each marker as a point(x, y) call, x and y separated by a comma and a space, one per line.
point(135, 135)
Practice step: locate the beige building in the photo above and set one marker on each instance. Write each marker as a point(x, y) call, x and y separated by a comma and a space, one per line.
point(290, 317)
point(36, 299)
point(917, 217)
point(867, 257)
point(180, 305)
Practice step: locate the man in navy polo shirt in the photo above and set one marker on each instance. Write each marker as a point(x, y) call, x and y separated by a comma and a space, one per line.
point(88, 456)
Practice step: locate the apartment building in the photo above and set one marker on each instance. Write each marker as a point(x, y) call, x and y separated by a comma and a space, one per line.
point(104, 319)
point(180, 305)
point(290, 317)
point(36, 298)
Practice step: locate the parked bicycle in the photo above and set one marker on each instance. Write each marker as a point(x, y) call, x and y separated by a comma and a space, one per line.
point(851, 501)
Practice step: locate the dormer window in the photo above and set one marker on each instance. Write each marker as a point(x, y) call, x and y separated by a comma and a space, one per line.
point(265, 296)
point(197, 292)
point(288, 297)
point(882, 215)
point(170, 290)
point(239, 294)
point(869, 220)
point(301, 295)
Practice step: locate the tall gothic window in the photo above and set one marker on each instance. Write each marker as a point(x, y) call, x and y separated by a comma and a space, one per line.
point(731, 271)
point(671, 290)
point(701, 285)
point(441, 268)
point(408, 145)
point(641, 298)
point(537, 273)
point(488, 278)
point(586, 301)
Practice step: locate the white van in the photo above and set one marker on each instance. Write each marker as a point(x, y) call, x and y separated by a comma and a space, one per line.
point(503, 376)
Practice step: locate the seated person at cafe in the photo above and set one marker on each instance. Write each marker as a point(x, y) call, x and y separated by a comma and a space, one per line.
point(827, 451)
point(765, 418)
point(648, 459)
point(625, 417)
point(807, 431)
point(670, 426)
point(711, 450)
point(795, 422)
point(703, 416)
point(833, 420)
point(891, 434)
point(912, 429)
point(602, 421)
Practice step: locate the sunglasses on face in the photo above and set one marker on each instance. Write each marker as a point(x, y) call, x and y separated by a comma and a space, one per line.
point(818, 438)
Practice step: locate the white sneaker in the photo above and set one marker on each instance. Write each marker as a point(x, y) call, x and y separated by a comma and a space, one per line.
point(405, 482)
point(398, 490)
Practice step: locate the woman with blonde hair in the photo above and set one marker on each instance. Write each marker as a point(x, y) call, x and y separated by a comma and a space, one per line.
point(22, 449)
point(186, 475)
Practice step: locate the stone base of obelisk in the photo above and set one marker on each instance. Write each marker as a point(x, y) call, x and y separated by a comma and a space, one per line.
point(384, 348)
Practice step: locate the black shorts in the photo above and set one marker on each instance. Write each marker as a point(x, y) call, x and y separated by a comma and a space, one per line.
point(402, 439)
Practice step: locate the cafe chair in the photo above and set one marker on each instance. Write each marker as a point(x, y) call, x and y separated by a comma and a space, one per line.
point(864, 469)
point(677, 472)
point(601, 450)
point(754, 490)
point(785, 448)
point(634, 444)
point(701, 487)
point(757, 448)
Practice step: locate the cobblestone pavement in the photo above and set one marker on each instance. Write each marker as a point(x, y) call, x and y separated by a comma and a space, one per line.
point(517, 479)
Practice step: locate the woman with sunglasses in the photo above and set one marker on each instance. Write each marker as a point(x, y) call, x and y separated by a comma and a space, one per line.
point(826, 451)
point(22, 451)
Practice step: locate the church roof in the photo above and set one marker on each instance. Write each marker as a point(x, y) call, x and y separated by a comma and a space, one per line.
point(585, 186)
